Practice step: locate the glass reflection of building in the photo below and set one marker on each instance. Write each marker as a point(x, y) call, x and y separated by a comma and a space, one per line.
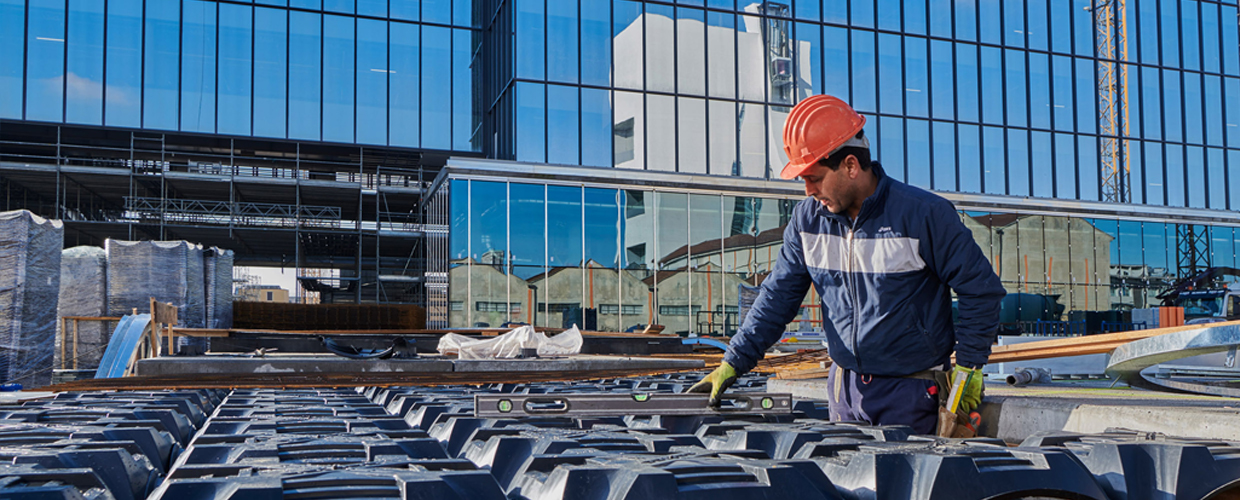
point(998, 105)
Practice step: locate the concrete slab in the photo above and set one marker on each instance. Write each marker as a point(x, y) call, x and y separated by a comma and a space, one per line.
point(224, 365)
point(1015, 413)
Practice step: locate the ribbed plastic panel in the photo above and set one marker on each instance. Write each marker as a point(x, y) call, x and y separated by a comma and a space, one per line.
point(423, 442)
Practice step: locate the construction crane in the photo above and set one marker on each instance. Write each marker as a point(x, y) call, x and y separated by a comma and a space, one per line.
point(1111, 22)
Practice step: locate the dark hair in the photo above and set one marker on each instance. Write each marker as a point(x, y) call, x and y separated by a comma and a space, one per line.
point(863, 156)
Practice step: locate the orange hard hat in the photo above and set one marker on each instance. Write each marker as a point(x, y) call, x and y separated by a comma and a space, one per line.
point(816, 127)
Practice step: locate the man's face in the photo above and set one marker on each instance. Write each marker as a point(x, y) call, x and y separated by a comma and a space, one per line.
point(832, 188)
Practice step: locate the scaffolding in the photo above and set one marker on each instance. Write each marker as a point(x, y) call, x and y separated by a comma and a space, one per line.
point(347, 218)
point(1111, 22)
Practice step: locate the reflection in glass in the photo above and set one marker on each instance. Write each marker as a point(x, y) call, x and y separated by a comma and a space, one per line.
point(198, 67)
point(705, 259)
point(835, 55)
point(436, 86)
point(673, 293)
point(918, 144)
point(691, 137)
point(721, 54)
point(602, 243)
point(890, 74)
point(338, 78)
point(45, 60)
point(527, 235)
point(305, 76)
point(627, 59)
point(562, 125)
point(808, 59)
point(531, 126)
point(596, 137)
point(235, 67)
point(690, 42)
point(530, 38)
point(564, 281)
point(404, 79)
point(561, 40)
point(778, 116)
point(966, 82)
point(863, 73)
point(489, 299)
point(84, 99)
point(661, 142)
point(372, 81)
point(629, 131)
point(123, 91)
point(890, 147)
point(916, 84)
point(751, 58)
point(595, 43)
point(12, 34)
point(752, 141)
point(270, 69)
point(161, 73)
point(722, 128)
point(944, 165)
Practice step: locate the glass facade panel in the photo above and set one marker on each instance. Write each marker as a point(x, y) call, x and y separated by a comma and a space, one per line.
point(339, 49)
point(372, 81)
point(531, 122)
point(270, 72)
point(404, 79)
point(562, 54)
point(661, 127)
point(84, 74)
point(563, 129)
point(690, 34)
point(305, 85)
point(12, 70)
point(123, 56)
point(691, 135)
point(565, 243)
point(45, 60)
point(596, 128)
point(436, 87)
point(160, 72)
point(235, 70)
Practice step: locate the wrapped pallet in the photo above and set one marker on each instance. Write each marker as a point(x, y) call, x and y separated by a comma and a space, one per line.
point(169, 271)
point(217, 270)
point(83, 292)
point(29, 291)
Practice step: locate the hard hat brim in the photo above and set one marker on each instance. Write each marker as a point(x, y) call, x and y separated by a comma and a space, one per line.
point(793, 170)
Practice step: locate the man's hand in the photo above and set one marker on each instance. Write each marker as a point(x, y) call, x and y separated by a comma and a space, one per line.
point(971, 397)
point(716, 382)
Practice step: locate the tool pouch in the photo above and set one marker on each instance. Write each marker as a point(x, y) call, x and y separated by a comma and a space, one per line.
point(951, 425)
point(954, 425)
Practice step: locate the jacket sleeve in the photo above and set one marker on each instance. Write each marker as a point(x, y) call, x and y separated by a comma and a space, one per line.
point(960, 263)
point(778, 302)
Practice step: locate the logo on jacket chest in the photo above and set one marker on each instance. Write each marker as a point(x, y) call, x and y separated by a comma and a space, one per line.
point(887, 232)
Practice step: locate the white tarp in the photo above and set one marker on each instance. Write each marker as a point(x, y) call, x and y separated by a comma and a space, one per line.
point(509, 345)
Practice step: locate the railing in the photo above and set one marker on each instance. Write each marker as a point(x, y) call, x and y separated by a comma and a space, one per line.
point(1041, 327)
point(236, 213)
point(1119, 326)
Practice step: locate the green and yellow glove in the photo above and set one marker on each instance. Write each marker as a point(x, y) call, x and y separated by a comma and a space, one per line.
point(972, 395)
point(716, 382)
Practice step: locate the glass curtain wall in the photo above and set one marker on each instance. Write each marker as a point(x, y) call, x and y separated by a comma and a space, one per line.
point(367, 72)
point(613, 259)
point(979, 96)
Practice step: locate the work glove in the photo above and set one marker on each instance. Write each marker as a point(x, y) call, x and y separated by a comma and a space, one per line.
point(972, 395)
point(716, 382)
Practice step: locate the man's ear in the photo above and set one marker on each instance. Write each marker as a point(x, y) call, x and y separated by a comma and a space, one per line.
point(853, 165)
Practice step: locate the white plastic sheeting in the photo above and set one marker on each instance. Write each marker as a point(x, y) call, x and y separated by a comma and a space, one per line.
point(30, 249)
point(509, 345)
point(84, 292)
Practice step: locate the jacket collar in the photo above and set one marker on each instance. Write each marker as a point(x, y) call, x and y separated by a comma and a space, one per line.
point(870, 204)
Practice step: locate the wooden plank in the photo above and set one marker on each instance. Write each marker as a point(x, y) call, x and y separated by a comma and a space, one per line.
point(1079, 346)
point(203, 332)
point(93, 318)
point(163, 312)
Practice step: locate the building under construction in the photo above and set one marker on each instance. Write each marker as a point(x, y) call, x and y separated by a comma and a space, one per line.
point(438, 173)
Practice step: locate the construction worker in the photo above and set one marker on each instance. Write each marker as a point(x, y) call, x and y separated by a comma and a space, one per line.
point(882, 255)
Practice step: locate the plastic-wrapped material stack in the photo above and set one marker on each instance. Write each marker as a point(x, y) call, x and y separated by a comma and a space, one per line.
point(169, 271)
point(29, 291)
point(217, 271)
point(195, 309)
point(83, 292)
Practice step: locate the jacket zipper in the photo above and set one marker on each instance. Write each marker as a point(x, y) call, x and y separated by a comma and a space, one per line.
point(852, 288)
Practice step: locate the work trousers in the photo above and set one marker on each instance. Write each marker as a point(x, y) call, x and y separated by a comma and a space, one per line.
point(879, 400)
